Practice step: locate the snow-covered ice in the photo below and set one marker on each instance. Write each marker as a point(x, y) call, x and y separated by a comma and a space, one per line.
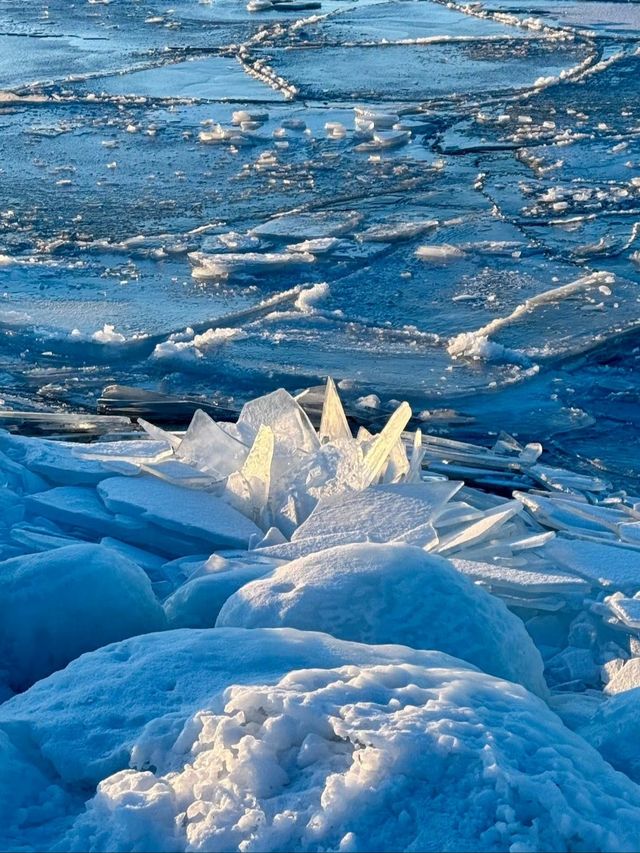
point(376, 757)
point(433, 567)
point(58, 604)
point(390, 594)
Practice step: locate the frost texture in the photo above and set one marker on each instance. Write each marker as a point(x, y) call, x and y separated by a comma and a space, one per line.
point(387, 757)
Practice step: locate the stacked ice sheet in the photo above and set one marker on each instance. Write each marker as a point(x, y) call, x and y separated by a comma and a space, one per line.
point(205, 511)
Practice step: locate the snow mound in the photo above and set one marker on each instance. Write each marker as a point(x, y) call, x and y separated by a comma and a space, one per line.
point(374, 593)
point(58, 604)
point(123, 704)
point(379, 757)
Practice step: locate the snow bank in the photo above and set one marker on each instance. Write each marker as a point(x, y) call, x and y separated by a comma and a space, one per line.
point(378, 757)
point(56, 605)
point(395, 593)
point(126, 703)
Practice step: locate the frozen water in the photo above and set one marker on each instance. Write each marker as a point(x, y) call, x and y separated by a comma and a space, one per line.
point(605, 564)
point(431, 202)
point(336, 751)
point(377, 514)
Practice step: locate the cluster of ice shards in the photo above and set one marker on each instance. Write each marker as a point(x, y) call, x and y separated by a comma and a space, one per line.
point(263, 532)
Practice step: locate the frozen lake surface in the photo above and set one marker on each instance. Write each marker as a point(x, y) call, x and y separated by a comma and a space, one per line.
point(427, 201)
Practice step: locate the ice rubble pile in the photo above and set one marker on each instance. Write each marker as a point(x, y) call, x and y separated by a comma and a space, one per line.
point(271, 530)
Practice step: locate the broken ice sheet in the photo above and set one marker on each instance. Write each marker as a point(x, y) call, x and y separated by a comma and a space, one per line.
point(291, 427)
point(476, 531)
point(377, 514)
point(193, 513)
point(572, 515)
point(248, 489)
point(210, 448)
point(519, 581)
point(608, 565)
point(627, 610)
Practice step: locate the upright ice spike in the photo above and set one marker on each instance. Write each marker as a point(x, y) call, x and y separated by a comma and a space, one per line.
point(379, 453)
point(333, 424)
point(248, 489)
point(257, 470)
point(417, 455)
point(397, 465)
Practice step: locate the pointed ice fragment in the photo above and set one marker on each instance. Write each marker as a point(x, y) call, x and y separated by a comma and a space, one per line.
point(333, 425)
point(417, 455)
point(398, 464)
point(159, 434)
point(210, 448)
point(384, 443)
point(478, 530)
point(291, 426)
point(248, 490)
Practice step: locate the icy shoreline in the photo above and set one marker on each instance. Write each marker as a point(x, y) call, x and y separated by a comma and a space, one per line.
point(475, 604)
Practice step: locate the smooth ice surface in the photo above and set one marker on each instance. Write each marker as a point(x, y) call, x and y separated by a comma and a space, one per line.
point(325, 759)
point(56, 605)
point(191, 512)
point(607, 565)
point(390, 593)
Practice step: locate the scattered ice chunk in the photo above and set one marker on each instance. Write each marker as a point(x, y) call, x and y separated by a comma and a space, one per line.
point(626, 678)
point(443, 253)
point(207, 267)
point(240, 116)
point(396, 231)
point(627, 610)
point(319, 246)
point(378, 120)
point(391, 138)
point(309, 226)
